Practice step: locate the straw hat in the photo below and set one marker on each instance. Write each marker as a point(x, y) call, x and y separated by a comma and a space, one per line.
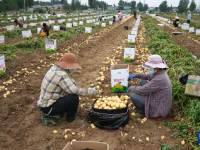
point(176, 17)
point(68, 61)
point(155, 61)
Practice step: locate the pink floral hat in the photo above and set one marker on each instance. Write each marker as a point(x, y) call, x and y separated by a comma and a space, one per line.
point(155, 61)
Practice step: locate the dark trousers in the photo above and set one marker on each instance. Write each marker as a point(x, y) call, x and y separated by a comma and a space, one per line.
point(47, 32)
point(188, 21)
point(139, 100)
point(68, 103)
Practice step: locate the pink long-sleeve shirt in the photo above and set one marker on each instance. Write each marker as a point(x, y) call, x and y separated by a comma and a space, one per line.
point(158, 93)
point(120, 15)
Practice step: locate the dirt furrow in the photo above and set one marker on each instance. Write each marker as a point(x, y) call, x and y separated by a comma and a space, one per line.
point(186, 41)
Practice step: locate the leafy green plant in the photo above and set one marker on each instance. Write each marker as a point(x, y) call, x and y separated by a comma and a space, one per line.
point(180, 62)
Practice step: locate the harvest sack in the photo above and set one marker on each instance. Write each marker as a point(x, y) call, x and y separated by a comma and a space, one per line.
point(109, 119)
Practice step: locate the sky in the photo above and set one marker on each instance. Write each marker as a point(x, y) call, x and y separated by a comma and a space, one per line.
point(151, 3)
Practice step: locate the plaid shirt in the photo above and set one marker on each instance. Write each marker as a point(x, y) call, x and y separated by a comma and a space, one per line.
point(158, 93)
point(57, 83)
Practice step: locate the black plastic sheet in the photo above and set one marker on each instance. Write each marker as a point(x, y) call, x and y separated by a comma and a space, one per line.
point(183, 78)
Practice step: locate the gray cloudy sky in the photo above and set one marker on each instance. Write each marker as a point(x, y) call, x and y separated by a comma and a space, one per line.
point(151, 3)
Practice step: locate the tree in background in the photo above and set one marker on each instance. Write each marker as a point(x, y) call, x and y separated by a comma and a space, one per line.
point(133, 4)
point(145, 7)
point(163, 6)
point(56, 2)
point(183, 5)
point(140, 6)
point(78, 4)
point(84, 7)
point(156, 8)
point(66, 5)
point(193, 6)
point(73, 4)
point(92, 3)
point(29, 3)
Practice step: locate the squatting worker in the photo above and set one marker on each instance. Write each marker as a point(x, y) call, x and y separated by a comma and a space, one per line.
point(20, 22)
point(59, 93)
point(176, 21)
point(153, 98)
point(120, 16)
point(189, 17)
point(45, 27)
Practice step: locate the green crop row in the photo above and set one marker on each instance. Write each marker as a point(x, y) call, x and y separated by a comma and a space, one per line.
point(10, 50)
point(26, 46)
point(192, 24)
point(180, 61)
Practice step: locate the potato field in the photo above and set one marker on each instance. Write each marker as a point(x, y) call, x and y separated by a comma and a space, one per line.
point(96, 49)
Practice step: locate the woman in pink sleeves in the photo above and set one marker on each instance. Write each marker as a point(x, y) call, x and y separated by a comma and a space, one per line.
point(120, 16)
point(153, 98)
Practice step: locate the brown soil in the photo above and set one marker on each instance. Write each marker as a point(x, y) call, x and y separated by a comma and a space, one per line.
point(34, 35)
point(3, 28)
point(183, 40)
point(20, 124)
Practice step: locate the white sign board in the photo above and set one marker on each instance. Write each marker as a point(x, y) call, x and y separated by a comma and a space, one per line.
point(11, 27)
point(69, 25)
point(198, 32)
point(75, 24)
point(2, 39)
point(27, 34)
point(2, 66)
point(119, 77)
point(191, 30)
point(88, 30)
point(50, 45)
point(51, 21)
point(32, 24)
point(103, 25)
point(56, 28)
point(24, 25)
point(129, 54)
point(38, 30)
point(131, 39)
point(110, 22)
point(134, 33)
point(80, 23)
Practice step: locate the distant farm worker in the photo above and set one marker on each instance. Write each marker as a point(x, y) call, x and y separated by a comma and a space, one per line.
point(20, 22)
point(134, 13)
point(189, 17)
point(60, 93)
point(114, 19)
point(100, 18)
point(45, 27)
point(153, 98)
point(120, 16)
point(176, 21)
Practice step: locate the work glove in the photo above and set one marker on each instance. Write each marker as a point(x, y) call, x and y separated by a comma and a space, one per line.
point(95, 92)
point(128, 90)
point(131, 77)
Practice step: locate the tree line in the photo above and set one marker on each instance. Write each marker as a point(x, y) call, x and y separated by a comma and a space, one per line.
point(13, 5)
point(182, 7)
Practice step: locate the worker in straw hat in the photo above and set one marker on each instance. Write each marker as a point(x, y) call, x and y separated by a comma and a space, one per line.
point(189, 17)
point(59, 93)
point(153, 98)
point(176, 21)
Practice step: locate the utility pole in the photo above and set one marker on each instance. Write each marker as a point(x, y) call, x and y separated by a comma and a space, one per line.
point(24, 6)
